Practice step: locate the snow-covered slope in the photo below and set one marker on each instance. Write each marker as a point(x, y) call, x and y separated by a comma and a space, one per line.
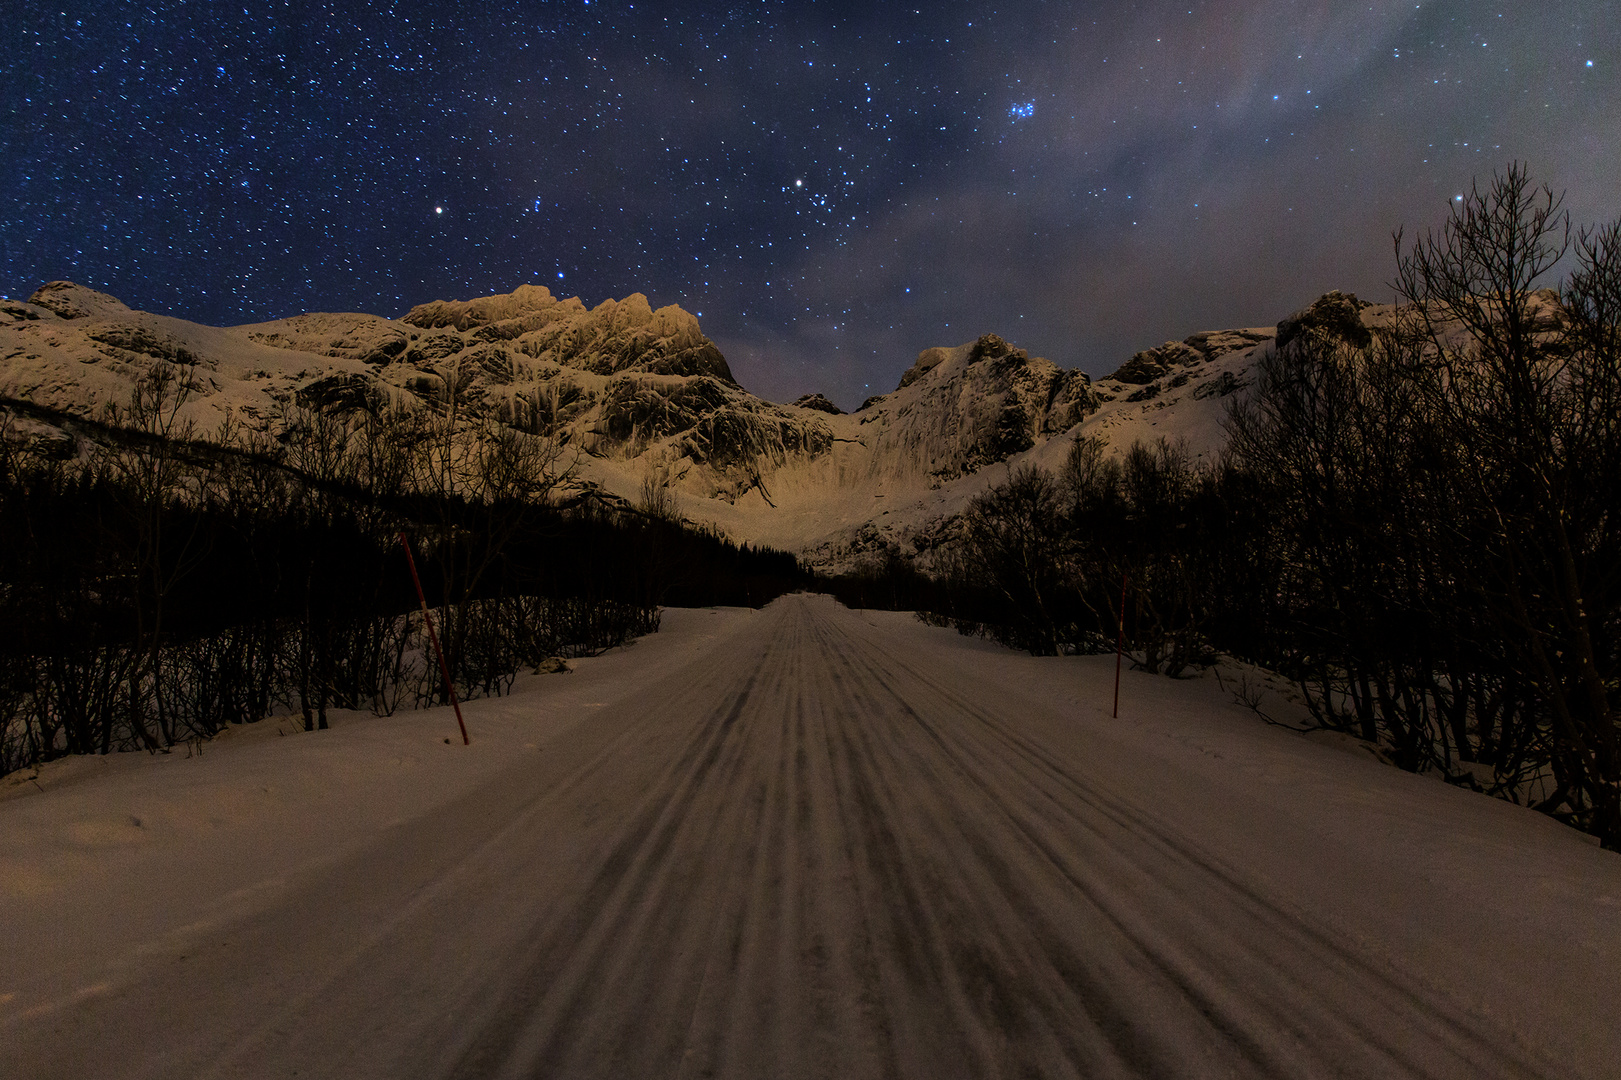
point(638, 393)
point(625, 383)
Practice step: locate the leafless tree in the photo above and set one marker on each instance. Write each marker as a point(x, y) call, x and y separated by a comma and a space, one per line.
point(153, 470)
point(1015, 537)
point(1525, 388)
point(484, 481)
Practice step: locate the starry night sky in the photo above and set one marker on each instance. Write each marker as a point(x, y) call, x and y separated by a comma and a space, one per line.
point(831, 186)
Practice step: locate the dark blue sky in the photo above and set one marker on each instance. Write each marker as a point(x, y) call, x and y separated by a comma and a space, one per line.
point(832, 186)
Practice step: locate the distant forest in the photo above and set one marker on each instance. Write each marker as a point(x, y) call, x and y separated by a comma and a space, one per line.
point(160, 584)
point(1421, 525)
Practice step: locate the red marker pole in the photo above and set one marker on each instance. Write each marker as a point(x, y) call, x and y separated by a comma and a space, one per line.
point(444, 668)
point(1119, 641)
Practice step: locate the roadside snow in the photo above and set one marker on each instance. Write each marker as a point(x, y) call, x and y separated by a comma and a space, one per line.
point(826, 839)
point(104, 858)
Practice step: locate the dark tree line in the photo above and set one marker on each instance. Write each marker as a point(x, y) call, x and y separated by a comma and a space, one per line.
point(1418, 522)
point(157, 585)
point(1044, 559)
point(1455, 585)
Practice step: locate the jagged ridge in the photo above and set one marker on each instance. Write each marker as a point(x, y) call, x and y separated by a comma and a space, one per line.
point(642, 393)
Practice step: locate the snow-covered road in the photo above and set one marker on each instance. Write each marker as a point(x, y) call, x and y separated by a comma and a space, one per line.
point(839, 844)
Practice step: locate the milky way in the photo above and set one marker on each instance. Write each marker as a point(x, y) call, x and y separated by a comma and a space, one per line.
point(830, 186)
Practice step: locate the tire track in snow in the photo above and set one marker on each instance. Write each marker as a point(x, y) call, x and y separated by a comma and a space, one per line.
point(1287, 994)
point(818, 852)
point(959, 882)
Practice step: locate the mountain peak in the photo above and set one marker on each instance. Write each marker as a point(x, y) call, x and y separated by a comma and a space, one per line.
point(616, 335)
point(818, 403)
point(988, 347)
point(525, 300)
point(634, 392)
point(1335, 314)
point(70, 300)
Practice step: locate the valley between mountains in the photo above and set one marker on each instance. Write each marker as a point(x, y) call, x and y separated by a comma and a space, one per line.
point(639, 396)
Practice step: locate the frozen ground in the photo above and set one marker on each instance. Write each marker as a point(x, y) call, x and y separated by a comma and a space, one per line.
point(798, 842)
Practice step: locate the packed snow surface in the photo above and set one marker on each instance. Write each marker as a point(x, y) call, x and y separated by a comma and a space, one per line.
point(801, 841)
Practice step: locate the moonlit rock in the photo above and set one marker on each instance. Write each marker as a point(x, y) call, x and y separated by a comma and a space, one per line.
point(818, 403)
point(72, 301)
point(1334, 315)
point(1150, 364)
point(525, 300)
point(633, 393)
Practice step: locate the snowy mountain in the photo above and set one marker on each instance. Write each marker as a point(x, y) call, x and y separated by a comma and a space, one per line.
point(636, 393)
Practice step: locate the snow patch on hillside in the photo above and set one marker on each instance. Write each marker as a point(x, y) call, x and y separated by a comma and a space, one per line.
point(639, 395)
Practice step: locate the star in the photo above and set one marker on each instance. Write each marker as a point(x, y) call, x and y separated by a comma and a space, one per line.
point(643, 146)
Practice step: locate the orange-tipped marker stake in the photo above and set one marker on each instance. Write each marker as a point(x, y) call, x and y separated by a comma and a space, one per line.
point(444, 668)
point(1119, 638)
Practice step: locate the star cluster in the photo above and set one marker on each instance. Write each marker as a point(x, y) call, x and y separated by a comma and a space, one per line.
point(831, 186)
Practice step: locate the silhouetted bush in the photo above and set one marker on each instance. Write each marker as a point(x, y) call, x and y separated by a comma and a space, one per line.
point(1417, 523)
point(163, 586)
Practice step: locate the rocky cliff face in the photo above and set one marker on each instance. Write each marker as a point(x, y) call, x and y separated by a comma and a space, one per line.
point(636, 393)
point(1334, 315)
point(1177, 363)
point(958, 410)
point(614, 336)
point(616, 381)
